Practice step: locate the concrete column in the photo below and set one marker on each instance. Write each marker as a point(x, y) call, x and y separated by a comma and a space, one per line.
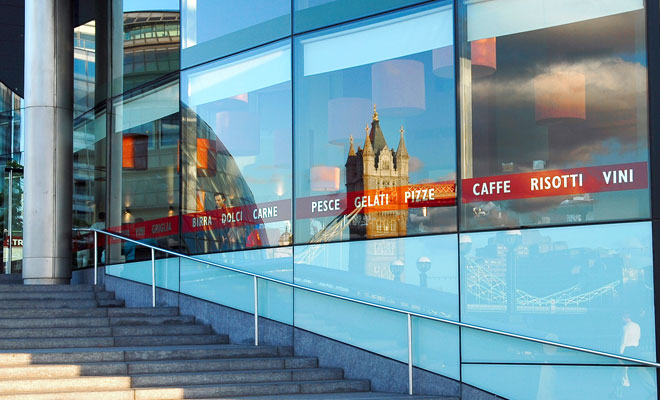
point(48, 141)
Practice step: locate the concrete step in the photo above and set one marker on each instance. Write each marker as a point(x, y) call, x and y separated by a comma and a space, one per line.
point(156, 320)
point(110, 303)
point(62, 370)
point(60, 303)
point(204, 353)
point(52, 312)
point(138, 354)
point(54, 343)
point(170, 340)
point(42, 304)
point(202, 391)
point(109, 341)
point(62, 384)
point(161, 330)
point(4, 288)
point(62, 322)
point(65, 333)
point(233, 377)
point(154, 367)
point(100, 331)
point(11, 279)
point(251, 389)
point(87, 312)
point(36, 323)
point(143, 312)
point(51, 295)
point(126, 394)
point(227, 364)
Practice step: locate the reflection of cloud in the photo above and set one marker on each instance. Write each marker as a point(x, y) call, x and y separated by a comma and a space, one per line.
point(615, 93)
point(451, 176)
point(438, 219)
point(415, 164)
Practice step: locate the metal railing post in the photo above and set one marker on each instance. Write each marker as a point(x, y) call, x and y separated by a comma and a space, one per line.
point(410, 356)
point(153, 278)
point(256, 312)
point(96, 259)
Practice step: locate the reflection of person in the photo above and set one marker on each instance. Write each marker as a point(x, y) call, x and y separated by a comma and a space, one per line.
point(548, 379)
point(630, 339)
point(227, 236)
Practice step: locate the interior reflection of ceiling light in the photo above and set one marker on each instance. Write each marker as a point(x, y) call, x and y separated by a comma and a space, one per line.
point(484, 57)
point(324, 178)
point(560, 97)
point(443, 62)
point(397, 86)
point(134, 155)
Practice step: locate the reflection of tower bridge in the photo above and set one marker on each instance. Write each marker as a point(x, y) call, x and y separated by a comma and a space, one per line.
point(491, 293)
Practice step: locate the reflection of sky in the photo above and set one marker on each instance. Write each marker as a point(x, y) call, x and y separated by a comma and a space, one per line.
point(614, 237)
point(149, 5)
point(216, 18)
point(430, 135)
point(430, 131)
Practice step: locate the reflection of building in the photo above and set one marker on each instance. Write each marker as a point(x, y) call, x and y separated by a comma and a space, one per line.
point(151, 46)
point(374, 168)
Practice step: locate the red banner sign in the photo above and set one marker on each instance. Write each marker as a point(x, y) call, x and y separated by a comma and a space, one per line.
point(251, 214)
point(603, 178)
point(433, 194)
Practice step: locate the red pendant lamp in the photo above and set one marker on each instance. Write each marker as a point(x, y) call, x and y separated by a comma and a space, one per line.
point(560, 97)
point(484, 57)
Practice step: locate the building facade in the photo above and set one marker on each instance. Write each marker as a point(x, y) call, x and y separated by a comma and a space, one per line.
point(506, 177)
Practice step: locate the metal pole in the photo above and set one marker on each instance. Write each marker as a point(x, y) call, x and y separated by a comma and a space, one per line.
point(96, 260)
point(9, 222)
point(153, 278)
point(256, 312)
point(410, 356)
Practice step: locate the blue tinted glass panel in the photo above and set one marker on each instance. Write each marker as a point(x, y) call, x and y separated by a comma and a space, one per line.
point(167, 272)
point(485, 347)
point(353, 323)
point(418, 274)
point(563, 382)
point(555, 131)
point(436, 347)
point(217, 285)
point(237, 152)
point(564, 284)
point(311, 14)
point(375, 128)
point(215, 28)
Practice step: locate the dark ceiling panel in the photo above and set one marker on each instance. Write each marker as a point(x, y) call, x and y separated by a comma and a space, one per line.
point(12, 43)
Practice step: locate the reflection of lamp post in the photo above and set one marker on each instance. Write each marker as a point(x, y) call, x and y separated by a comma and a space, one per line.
point(423, 266)
point(397, 269)
point(513, 238)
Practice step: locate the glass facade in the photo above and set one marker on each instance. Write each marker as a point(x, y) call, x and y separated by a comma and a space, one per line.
point(484, 162)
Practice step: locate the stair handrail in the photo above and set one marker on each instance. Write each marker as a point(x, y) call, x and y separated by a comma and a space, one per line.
point(410, 314)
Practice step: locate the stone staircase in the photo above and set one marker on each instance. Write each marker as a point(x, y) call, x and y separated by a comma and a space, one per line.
point(79, 342)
